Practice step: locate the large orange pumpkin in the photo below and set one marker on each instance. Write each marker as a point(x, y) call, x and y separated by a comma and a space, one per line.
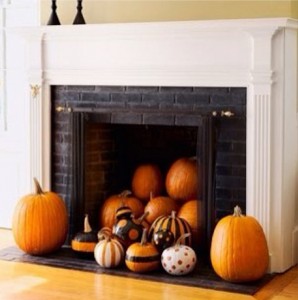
point(40, 222)
point(182, 180)
point(147, 179)
point(239, 251)
point(107, 212)
point(159, 206)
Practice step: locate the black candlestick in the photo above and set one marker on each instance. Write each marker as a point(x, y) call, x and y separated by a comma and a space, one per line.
point(54, 20)
point(79, 19)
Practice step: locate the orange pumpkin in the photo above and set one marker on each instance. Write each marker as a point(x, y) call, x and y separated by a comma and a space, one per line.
point(159, 206)
point(147, 179)
point(190, 211)
point(107, 212)
point(182, 180)
point(239, 251)
point(142, 257)
point(40, 222)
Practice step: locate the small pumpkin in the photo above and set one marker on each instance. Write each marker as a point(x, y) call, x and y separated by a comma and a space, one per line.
point(182, 179)
point(146, 179)
point(159, 206)
point(143, 256)
point(190, 211)
point(179, 259)
point(239, 251)
point(165, 231)
point(107, 212)
point(109, 253)
point(126, 229)
point(85, 241)
point(40, 222)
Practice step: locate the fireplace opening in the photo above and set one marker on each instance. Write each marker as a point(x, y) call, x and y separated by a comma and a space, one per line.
point(101, 134)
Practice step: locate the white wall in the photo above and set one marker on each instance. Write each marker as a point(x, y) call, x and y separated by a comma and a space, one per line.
point(13, 104)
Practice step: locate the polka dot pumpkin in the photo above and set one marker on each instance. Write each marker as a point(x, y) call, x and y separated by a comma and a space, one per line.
point(178, 259)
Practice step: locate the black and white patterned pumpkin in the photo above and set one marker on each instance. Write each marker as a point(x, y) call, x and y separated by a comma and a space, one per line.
point(166, 230)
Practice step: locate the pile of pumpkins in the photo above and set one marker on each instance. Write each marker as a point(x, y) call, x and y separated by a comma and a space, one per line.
point(144, 232)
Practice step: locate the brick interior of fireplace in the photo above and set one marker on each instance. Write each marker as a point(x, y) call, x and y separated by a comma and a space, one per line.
point(122, 126)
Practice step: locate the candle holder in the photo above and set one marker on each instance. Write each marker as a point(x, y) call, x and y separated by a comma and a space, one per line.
point(54, 20)
point(79, 19)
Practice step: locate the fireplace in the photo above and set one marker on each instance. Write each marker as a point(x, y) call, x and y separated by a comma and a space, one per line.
point(257, 55)
point(100, 134)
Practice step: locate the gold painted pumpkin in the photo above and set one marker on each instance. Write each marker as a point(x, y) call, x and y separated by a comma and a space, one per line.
point(107, 213)
point(40, 222)
point(182, 180)
point(239, 251)
point(147, 179)
point(143, 256)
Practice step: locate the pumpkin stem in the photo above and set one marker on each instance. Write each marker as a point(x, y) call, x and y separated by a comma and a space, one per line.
point(38, 189)
point(144, 237)
point(87, 227)
point(142, 217)
point(237, 211)
point(173, 214)
point(125, 193)
point(182, 237)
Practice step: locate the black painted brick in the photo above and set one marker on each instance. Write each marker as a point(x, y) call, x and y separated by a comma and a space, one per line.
point(192, 99)
point(158, 98)
point(126, 97)
point(158, 119)
point(97, 97)
point(126, 118)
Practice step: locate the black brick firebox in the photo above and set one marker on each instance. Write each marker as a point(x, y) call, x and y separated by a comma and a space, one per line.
point(95, 127)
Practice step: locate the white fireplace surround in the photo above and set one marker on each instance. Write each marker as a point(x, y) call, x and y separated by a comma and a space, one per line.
point(259, 54)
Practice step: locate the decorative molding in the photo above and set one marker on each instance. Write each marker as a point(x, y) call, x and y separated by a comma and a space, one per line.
point(35, 89)
point(244, 53)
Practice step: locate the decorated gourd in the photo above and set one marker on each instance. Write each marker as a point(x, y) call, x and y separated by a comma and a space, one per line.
point(109, 253)
point(182, 179)
point(126, 229)
point(85, 241)
point(179, 259)
point(191, 212)
point(165, 231)
point(40, 222)
point(146, 179)
point(107, 212)
point(159, 206)
point(143, 256)
point(239, 251)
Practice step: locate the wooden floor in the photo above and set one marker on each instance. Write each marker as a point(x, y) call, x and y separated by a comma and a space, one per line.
point(26, 281)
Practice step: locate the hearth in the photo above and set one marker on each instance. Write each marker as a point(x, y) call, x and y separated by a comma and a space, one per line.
point(100, 134)
point(258, 55)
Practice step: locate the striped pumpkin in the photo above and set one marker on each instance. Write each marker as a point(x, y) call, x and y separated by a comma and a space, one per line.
point(109, 253)
point(142, 257)
point(166, 230)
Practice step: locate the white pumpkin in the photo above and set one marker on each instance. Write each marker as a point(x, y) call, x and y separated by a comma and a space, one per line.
point(179, 259)
point(109, 253)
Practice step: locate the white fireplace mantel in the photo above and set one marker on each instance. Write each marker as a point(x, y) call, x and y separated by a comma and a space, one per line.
point(259, 54)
